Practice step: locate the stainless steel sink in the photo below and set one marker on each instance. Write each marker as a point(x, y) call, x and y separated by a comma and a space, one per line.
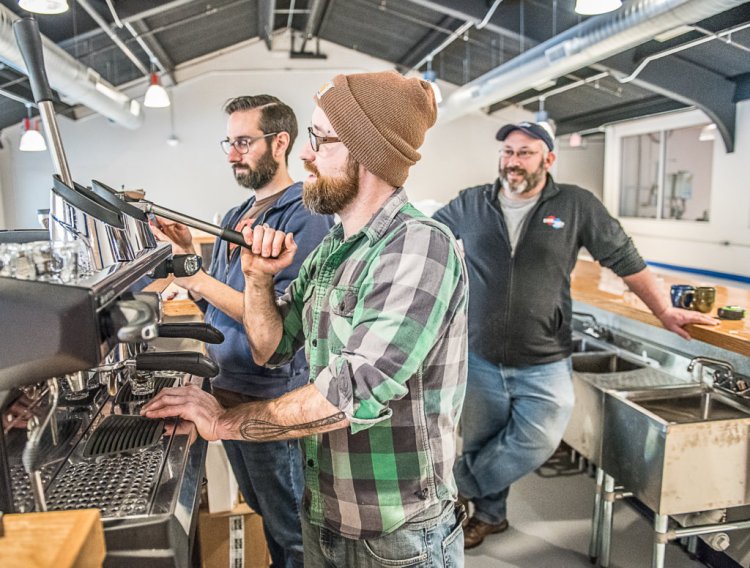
point(603, 363)
point(592, 373)
point(586, 345)
point(689, 404)
point(678, 449)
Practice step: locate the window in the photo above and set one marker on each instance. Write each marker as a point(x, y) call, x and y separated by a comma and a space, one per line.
point(667, 175)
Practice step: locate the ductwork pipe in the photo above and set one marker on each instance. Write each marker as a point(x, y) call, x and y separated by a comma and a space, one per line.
point(81, 84)
point(585, 44)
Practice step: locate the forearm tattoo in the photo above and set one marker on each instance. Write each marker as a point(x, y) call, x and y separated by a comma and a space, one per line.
point(257, 430)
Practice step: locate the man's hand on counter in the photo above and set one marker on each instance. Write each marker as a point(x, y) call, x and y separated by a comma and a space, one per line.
point(675, 320)
point(189, 403)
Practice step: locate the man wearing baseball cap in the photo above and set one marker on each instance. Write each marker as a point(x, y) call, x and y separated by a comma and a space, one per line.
point(521, 236)
point(380, 308)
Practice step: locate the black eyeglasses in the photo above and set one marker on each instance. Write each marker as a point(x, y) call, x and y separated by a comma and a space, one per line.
point(242, 145)
point(317, 141)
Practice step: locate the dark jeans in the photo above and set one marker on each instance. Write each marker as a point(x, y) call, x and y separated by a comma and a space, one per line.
point(270, 477)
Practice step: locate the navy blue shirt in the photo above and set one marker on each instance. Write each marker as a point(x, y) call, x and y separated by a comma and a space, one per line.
point(238, 371)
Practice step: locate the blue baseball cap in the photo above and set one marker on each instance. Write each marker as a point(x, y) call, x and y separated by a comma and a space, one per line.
point(533, 129)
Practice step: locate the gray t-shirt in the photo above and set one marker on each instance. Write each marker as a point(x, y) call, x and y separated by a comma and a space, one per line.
point(515, 211)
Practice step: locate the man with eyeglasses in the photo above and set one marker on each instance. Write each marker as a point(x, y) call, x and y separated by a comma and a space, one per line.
point(521, 236)
point(260, 133)
point(380, 307)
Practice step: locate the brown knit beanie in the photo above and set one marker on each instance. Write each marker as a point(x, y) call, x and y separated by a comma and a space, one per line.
point(381, 118)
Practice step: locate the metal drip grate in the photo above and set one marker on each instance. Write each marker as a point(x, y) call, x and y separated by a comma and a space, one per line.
point(23, 498)
point(117, 434)
point(118, 486)
point(125, 394)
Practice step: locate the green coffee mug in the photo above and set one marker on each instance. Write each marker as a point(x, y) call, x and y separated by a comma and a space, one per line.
point(703, 299)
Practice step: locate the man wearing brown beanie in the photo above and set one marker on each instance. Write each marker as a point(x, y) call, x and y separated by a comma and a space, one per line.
point(380, 308)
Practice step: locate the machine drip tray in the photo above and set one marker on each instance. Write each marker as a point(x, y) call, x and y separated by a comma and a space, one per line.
point(118, 433)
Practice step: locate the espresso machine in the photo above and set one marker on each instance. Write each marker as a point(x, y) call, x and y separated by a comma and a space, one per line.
point(77, 364)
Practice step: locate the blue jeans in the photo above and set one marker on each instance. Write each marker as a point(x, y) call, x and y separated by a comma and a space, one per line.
point(270, 477)
point(513, 420)
point(434, 538)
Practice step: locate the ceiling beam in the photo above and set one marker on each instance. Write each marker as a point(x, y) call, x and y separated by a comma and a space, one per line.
point(470, 10)
point(688, 83)
point(153, 47)
point(625, 111)
point(266, 15)
point(428, 42)
point(742, 90)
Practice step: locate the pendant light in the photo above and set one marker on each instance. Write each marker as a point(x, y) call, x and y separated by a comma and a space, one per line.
point(44, 6)
point(31, 140)
point(592, 7)
point(156, 95)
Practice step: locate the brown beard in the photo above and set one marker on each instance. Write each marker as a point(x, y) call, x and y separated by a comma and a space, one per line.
point(261, 175)
point(328, 195)
point(528, 183)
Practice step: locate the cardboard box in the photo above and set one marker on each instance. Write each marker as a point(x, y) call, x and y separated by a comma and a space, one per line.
point(223, 493)
point(233, 539)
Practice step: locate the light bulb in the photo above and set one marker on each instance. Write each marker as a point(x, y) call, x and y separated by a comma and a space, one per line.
point(44, 6)
point(592, 7)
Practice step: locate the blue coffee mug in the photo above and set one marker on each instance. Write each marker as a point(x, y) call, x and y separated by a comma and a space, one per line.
point(682, 295)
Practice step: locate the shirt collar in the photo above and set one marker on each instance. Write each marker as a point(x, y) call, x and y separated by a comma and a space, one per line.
point(377, 226)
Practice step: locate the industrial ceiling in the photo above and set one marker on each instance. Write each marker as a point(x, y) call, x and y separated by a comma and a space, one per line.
point(650, 56)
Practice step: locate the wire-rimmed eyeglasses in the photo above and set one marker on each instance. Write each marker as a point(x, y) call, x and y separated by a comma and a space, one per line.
point(522, 154)
point(316, 141)
point(242, 144)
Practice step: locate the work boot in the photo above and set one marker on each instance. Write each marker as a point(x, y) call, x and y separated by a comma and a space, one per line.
point(475, 531)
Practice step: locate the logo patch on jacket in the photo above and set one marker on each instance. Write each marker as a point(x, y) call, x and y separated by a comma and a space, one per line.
point(554, 222)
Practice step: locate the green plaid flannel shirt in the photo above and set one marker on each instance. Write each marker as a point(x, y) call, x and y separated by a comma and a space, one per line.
point(382, 316)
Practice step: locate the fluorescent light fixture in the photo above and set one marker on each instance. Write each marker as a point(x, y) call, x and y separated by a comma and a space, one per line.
point(708, 133)
point(31, 140)
point(156, 95)
point(44, 6)
point(592, 7)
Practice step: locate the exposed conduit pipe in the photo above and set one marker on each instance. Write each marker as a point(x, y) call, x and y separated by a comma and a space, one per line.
point(81, 84)
point(585, 44)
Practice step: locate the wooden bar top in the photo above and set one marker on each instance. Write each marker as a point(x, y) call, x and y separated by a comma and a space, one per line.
point(56, 539)
point(600, 287)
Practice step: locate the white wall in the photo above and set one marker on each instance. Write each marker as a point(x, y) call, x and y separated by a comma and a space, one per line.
point(583, 165)
point(194, 177)
point(689, 243)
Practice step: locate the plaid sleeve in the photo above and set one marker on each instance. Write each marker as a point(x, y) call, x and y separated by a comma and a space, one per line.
point(411, 292)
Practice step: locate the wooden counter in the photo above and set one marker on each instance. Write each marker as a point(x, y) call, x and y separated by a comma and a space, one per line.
point(57, 539)
point(600, 287)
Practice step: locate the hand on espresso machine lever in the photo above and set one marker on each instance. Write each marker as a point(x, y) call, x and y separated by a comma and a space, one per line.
point(176, 233)
point(268, 251)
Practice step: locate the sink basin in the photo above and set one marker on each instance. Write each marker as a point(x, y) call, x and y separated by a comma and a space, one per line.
point(585, 345)
point(603, 362)
point(689, 404)
point(593, 373)
point(679, 449)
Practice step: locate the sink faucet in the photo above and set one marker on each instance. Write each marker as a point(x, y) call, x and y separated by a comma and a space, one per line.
point(723, 374)
point(595, 329)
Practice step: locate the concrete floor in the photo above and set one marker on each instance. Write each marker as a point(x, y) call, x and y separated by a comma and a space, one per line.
point(550, 524)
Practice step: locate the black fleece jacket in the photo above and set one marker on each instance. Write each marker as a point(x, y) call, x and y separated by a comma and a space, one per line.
point(519, 304)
